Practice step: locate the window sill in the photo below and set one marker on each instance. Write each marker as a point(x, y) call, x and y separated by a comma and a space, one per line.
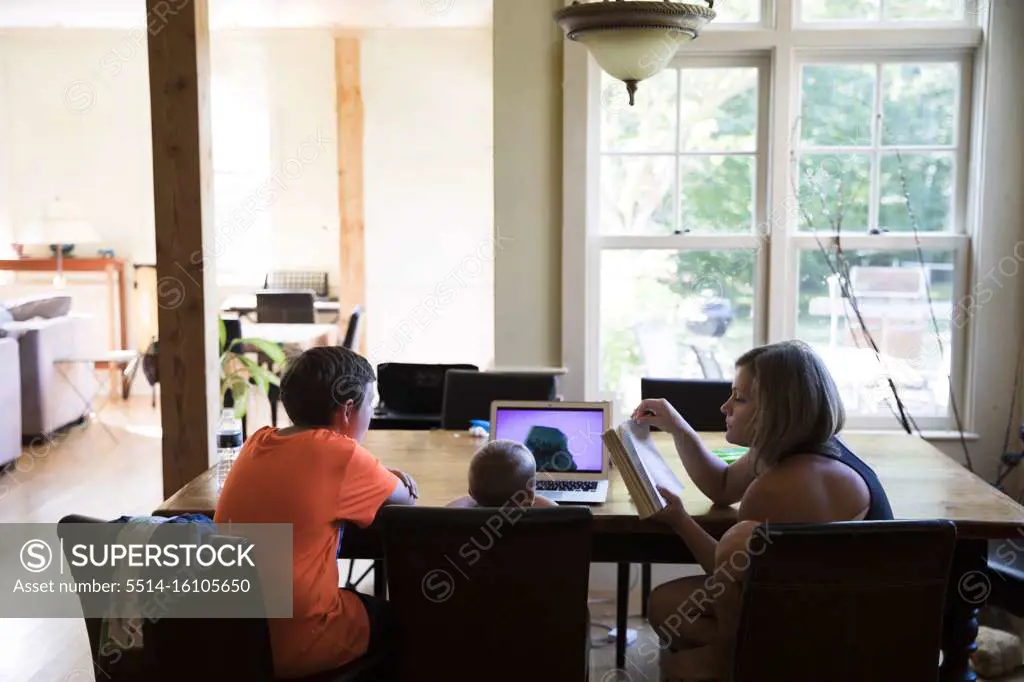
point(929, 435)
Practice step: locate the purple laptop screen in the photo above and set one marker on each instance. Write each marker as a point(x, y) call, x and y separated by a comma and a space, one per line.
point(565, 440)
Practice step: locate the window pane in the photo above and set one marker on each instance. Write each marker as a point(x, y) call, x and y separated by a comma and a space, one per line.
point(737, 11)
point(923, 10)
point(919, 103)
point(647, 126)
point(834, 190)
point(840, 10)
point(929, 182)
point(637, 194)
point(717, 193)
point(718, 109)
point(837, 104)
point(672, 314)
point(889, 290)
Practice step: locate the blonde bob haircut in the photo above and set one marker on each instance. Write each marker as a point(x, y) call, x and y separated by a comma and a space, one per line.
point(799, 408)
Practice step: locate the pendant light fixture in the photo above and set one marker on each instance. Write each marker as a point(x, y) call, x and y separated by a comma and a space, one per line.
point(632, 40)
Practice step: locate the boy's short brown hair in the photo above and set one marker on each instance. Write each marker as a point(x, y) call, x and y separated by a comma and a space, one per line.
point(320, 381)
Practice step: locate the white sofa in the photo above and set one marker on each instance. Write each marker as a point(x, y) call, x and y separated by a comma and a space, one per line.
point(10, 401)
point(52, 396)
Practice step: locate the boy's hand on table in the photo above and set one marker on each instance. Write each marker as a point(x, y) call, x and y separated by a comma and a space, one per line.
point(407, 480)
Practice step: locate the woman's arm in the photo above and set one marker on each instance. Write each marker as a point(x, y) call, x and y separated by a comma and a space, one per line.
point(699, 542)
point(723, 484)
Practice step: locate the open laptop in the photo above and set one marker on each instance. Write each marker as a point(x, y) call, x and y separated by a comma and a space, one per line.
point(565, 439)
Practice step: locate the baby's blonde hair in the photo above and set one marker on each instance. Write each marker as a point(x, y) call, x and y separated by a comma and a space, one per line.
point(500, 472)
point(799, 408)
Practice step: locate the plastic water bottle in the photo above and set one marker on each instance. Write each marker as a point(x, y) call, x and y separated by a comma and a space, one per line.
point(229, 444)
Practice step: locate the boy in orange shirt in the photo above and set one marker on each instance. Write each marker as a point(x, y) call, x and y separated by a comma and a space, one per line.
point(316, 476)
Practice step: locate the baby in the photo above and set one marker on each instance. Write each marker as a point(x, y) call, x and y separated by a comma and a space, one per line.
point(501, 472)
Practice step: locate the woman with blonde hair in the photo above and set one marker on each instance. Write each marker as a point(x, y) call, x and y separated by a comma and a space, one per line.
point(786, 409)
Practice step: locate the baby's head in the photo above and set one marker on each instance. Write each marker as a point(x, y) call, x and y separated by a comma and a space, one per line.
point(501, 472)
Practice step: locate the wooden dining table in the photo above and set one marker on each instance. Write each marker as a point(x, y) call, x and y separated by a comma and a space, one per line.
point(922, 484)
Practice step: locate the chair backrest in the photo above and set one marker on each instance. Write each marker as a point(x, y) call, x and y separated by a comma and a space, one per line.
point(468, 586)
point(844, 602)
point(352, 331)
point(699, 401)
point(234, 648)
point(890, 282)
point(289, 307)
point(468, 395)
point(291, 280)
point(114, 660)
point(411, 388)
point(232, 331)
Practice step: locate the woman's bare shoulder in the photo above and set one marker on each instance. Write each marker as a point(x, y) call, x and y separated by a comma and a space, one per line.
point(807, 489)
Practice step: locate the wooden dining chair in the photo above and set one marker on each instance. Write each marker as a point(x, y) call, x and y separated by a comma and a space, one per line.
point(178, 646)
point(286, 307)
point(468, 587)
point(352, 330)
point(844, 602)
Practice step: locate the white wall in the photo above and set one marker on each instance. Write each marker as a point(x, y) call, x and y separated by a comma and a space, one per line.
point(76, 106)
point(429, 195)
point(528, 169)
point(77, 127)
point(275, 154)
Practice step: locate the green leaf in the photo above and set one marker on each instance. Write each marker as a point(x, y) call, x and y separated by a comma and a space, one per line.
point(223, 333)
point(258, 372)
point(269, 348)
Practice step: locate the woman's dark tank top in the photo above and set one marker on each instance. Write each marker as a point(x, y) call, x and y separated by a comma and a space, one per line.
point(879, 508)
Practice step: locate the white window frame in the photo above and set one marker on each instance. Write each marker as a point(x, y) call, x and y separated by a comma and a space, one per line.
point(782, 44)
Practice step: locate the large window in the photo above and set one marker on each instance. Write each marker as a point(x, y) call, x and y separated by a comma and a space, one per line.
point(800, 171)
point(682, 177)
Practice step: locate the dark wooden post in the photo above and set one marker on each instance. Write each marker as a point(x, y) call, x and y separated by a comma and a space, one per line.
point(179, 84)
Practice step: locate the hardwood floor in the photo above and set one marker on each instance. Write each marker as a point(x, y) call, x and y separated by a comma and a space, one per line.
point(111, 466)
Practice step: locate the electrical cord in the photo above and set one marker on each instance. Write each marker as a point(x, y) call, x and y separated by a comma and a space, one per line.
point(634, 578)
point(841, 271)
point(931, 308)
point(1014, 463)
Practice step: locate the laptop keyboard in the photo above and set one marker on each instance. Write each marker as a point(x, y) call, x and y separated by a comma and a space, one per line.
point(568, 486)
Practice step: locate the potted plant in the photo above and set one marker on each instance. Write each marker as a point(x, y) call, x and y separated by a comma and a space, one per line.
point(239, 372)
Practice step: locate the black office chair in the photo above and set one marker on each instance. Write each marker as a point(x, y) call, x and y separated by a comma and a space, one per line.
point(414, 389)
point(845, 602)
point(286, 307)
point(352, 331)
point(465, 585)
point(699, 401)
point(468, 395)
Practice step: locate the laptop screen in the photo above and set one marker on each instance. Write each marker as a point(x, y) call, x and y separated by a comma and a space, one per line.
point(561, 440)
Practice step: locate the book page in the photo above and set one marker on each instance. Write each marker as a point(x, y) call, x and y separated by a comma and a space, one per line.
point(656, 468)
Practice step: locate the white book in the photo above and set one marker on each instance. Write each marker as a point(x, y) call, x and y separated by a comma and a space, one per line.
point(643, 468)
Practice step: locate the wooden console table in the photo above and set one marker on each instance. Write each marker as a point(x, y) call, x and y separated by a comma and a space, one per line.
point(115, 269)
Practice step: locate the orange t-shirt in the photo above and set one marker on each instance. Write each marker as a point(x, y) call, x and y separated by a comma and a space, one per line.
point(313, 480)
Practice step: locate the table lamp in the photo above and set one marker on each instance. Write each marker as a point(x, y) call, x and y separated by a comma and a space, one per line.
point(59, 226)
